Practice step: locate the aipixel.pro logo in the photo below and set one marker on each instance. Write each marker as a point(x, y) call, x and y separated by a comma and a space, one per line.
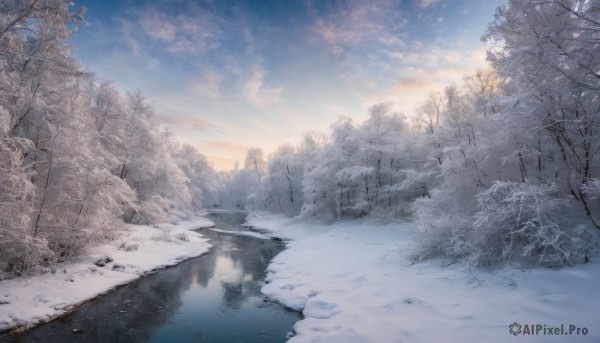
point(516, 329)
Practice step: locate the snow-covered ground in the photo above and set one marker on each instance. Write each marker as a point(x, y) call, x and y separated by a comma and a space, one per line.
point(141, 249)
point(354, 283)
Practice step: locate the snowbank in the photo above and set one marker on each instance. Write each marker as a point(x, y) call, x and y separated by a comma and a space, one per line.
point(216, 210)
point(243, 233)
point(354, 283)
point(194, 224)
point(27, 301)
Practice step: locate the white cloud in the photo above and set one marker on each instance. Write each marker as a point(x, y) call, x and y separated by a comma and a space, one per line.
point(358, 22)
point(193, 32)
point(158, 26)
point(208, 85)
point(427, 3)
point(189, 122)
point(255, 91)
point(436, 56)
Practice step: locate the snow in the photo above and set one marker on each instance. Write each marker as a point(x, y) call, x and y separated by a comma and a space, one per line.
point(194, 224)
point(243, 233)
point(216, 210)
point(354, 283)
point(141, 249)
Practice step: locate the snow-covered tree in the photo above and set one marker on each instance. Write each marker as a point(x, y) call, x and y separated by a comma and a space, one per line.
point(19, 250)
point(203, 181)
point(282, 185)
point(76, 157)
point(255, 160)
point(550, 62)
point(520, 149)
point(362, 171)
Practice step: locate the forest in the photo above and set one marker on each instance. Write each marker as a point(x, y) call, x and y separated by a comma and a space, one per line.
point(502, 167)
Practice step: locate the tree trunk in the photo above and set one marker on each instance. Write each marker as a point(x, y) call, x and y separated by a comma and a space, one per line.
point(39, 214)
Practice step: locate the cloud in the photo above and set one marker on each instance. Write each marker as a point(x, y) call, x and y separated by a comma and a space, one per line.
point(256, 92)
point(427, 3)
point(355, 23)
point(190, 122)
point(262, 124)
point(434, 56)
point(412, 84)
point(208, 85)
point(225, 146)
point(416, 71)
point(438, 67)
point(193, 32)
point(158, 26)
point(406, 58)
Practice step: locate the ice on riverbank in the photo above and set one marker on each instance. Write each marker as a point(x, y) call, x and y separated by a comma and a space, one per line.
point(354, 283)
point(194, 224)
point(243, 233)
point(140, 249)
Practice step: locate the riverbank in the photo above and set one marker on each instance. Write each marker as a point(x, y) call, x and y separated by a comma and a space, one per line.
point(354, 283)
point(30, 300)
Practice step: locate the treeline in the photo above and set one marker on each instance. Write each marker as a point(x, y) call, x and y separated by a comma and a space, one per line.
point(504, 167)
point(77, 158)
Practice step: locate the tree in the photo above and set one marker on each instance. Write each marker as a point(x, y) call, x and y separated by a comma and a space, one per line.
point(203, 181)
point(550, 62)
point(77, 159)
point(255, 160)
point(19, 250)
point(282, 184)
point(428, 115)
point(518, 147)
point(363, 170)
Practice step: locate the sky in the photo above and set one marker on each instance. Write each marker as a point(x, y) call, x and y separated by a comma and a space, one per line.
point(227, 75)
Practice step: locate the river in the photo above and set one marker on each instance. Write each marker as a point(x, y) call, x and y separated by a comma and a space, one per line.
point(212, 298)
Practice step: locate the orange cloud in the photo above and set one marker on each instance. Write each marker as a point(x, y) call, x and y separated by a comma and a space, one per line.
point(412, 84)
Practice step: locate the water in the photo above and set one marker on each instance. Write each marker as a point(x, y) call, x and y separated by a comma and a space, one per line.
point(212, 298)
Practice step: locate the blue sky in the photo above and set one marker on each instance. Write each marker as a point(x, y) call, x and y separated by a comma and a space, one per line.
point(229, 75)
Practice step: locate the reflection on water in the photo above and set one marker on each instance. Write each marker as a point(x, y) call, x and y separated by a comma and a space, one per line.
point(212, 298)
